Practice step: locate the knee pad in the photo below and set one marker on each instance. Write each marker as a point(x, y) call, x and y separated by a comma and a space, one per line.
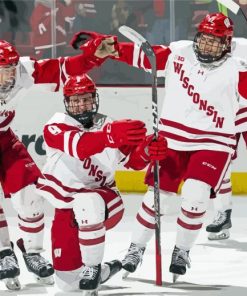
point(195, 195)
point(165, 200)
point(27, 203)
point(89, 208)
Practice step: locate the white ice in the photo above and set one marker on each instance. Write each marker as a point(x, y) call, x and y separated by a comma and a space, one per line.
point(217, 267)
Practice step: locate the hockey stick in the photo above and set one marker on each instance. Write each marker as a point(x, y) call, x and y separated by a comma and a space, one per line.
point(233, 6)
point(140, 41)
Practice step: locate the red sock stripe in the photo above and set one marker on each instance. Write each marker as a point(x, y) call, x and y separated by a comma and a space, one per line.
point(3, 224)
point(223, 191)
point(117, 204)
point(192, 215)
point(148, 210)
point(92, 228)
point(92, 242)
point(189, 226)
point(1, 211)
point(144, 222)
point(32, 220)
point(32, 230)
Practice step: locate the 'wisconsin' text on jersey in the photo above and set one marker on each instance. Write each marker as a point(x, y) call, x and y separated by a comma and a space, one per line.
point(196, 98)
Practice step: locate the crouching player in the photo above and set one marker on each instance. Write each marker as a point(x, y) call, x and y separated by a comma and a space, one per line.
point(83, 150)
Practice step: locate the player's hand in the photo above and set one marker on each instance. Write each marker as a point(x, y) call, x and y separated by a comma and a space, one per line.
point(107, 48)
point(92, 43)
point(125, 132)
point(157, 149)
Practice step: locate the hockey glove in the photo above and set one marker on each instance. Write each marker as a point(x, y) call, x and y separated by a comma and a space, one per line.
point(95, 44)
point(157, 149)
point(124, 132)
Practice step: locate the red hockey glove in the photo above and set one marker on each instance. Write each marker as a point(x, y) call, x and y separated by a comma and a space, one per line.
point(95, 44)
point(124, 132)
point(157, 149)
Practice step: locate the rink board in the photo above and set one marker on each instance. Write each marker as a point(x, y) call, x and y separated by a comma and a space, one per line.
point(117, 102)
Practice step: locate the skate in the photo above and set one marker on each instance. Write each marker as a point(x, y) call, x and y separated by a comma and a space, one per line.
point(90, 280)
point(109, 269)
point(180, 258)
point(219, 228)
point(9, 269)
point(36, 264)
point(132, 259)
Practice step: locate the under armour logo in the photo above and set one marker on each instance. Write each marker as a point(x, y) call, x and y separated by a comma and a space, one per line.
point(200, 72)
point(57, 253)
point(84, 221)
point(194, 209)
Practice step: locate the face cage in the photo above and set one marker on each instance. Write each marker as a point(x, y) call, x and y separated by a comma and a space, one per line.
point(7, 82)
point(86, 117)
point(210, 58)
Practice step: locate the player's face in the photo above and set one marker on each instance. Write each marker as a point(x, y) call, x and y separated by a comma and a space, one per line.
point(81, 103)
point(7, 78)
point(210, 45)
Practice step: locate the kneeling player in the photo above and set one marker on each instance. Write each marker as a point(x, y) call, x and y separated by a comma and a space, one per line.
point(83, 150)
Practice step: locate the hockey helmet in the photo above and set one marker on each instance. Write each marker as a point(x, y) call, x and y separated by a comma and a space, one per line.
point(9, 59)
point(81, 99)
point(214, 37)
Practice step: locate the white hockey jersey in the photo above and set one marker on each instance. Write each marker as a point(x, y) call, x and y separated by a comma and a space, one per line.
point(64, 172)
point(201, 102)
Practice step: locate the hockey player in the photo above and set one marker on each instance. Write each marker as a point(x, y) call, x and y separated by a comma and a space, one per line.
point(83, 150)
point(209, 86)
point(18, 172)
point(219, 228)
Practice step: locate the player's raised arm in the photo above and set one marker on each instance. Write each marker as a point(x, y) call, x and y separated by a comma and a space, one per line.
point(99, 47)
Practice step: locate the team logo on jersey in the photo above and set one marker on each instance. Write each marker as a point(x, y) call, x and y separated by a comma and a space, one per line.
point(57, 252)
point(200, 72)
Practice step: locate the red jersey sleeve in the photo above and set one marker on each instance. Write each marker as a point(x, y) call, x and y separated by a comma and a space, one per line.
point(57, 70)
point(73, 141)
point(134, 56)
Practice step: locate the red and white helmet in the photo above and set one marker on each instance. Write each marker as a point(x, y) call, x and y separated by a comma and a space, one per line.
point(76, 85)
point(79, 85)
point(219, 26)
point(8, 54)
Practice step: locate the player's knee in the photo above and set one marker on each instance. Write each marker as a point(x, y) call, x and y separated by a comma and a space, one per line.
point(196, 194)
point(89, 209)
point(148, 199)
point(27, 203)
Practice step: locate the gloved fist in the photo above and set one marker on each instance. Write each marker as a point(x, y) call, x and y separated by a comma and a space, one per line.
point(124, 132)
point(95, 44)
point(157, 149)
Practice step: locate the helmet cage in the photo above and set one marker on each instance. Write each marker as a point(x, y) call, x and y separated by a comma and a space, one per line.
point(85, 117)
point(220, 46)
